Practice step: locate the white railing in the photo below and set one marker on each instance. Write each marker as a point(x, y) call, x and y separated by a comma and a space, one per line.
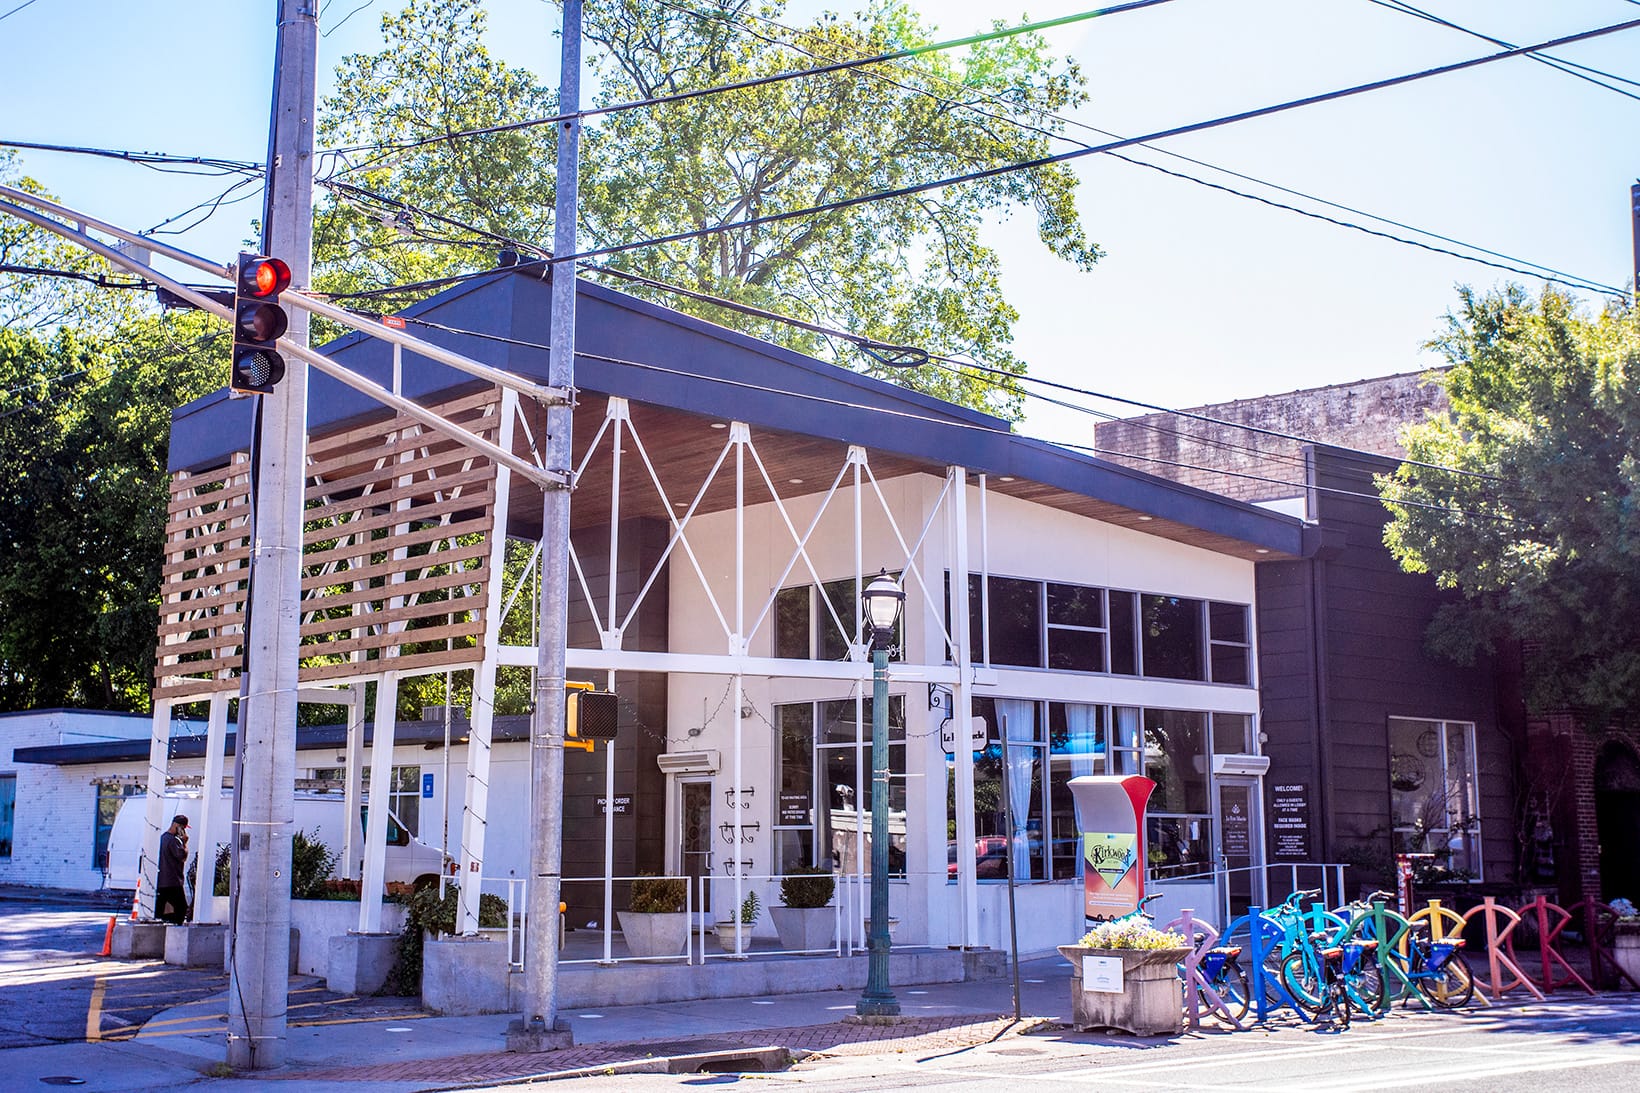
point(719, 891)
point(1329, 875)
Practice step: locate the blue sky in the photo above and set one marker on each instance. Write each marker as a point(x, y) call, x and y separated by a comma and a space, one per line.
point(1202, 296)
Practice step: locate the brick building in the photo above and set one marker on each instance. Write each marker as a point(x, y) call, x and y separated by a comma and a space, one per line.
point(1351, 698)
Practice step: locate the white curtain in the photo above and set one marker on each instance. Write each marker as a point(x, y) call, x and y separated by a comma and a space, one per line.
point(1126, 736)
point(1086, 748)
point(1019, 722)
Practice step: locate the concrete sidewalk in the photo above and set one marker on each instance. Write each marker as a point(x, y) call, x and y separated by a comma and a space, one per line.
point(410, 1051)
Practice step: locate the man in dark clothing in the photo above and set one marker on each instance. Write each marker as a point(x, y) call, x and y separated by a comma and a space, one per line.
point(170, 898)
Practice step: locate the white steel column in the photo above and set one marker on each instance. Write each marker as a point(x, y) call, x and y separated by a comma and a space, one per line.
point(206, 833)
point(739, 434)
point(962, 711)
point(353, 788)
point(620, 413)
point(159, 752)
point(481, 715)
point(381, 773)
point(857, 456)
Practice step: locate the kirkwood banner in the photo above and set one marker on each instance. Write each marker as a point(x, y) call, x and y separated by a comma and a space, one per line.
point(1111, 809)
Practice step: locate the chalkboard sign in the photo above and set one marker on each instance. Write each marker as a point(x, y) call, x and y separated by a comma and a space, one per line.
point(1290, 822)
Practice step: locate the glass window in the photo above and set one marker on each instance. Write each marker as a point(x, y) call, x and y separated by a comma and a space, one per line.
point(794, 816)
point(1076, 628)
point(1232, 734)
point(1178, 846)
point(405, 797)
point(1008, 813)
point(1077, 746)
point(8, 814)
point(834, 643)
point(792, 624)
point(837, 766)
point(1016, 622)
point(1124, 645)
point(1176, 760)
point(109, 797)
point(1228, 650)
point(1434, 801)
point(1172, 637)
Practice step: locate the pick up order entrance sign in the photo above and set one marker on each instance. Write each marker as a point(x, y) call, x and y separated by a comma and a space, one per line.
point(1111, 810)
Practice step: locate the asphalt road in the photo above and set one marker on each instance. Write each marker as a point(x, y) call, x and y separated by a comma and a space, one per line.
point(1568, 1045)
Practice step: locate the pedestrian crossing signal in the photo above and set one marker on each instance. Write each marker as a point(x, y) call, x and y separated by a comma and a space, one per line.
point(592, 715)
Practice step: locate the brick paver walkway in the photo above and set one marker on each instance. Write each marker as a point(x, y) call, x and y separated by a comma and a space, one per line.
point(840, 1038)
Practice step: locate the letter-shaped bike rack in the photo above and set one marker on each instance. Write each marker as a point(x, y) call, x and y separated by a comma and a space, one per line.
point(1500, 950)
point(1263, 938)
point(1196, 986)
point(1390, 930)
point(1539, 910)
point(1599, 927)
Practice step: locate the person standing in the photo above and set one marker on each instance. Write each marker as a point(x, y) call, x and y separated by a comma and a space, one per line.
point(170, 897)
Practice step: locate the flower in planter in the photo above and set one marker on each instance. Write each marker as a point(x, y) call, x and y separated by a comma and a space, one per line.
point(1625, 911)
point(1131, 933)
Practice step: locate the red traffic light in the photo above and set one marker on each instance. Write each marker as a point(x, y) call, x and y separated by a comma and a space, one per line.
point(262, 277)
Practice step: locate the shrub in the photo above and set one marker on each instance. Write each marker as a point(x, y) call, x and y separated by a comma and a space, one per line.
point(426, 911)
point(652, 895)
point(311, 863)
point(749, 909)
point(807, 886)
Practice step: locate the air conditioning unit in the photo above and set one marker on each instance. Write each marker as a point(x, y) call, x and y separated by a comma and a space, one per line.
point(689, 762)
point(1241, 764)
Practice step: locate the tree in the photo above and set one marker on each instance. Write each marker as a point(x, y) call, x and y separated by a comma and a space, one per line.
point(908, 271)
point(1538, 521)
point(84, 423)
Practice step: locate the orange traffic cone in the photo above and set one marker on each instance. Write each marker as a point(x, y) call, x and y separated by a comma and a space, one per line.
point(136, 898)
point(108, 937)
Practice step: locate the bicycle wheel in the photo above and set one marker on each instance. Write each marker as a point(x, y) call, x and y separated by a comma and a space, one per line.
point(1304, 985)
point(1455, 986)
point(1366, 988)
point(1231, 987)
point(1339, 995)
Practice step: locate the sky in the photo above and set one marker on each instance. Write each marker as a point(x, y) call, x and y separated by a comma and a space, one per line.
point(1201, 297)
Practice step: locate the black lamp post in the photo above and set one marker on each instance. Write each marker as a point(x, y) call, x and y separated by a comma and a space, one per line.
point(883, 597)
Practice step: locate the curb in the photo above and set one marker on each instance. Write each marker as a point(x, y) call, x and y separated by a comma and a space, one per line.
point(762, 1060)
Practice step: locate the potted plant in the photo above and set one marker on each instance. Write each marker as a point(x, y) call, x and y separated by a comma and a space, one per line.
point(1124, 975)
point(738, 941)
point(1626, 938)
point(806, 923)
point(656, 924)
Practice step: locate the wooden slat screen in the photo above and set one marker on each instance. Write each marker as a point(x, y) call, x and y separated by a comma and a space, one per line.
point(202, 597)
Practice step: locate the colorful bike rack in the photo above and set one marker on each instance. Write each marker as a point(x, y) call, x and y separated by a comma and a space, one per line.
point(1196, 985)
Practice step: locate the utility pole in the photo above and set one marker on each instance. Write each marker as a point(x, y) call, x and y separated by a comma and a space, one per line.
point(537, 1029)
point(258, 972)
point(1634, 219)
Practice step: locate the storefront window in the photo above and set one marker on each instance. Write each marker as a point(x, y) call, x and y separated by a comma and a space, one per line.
point(806, 625)
point(824, 811)
point(1171, 637)
point(1434, 801)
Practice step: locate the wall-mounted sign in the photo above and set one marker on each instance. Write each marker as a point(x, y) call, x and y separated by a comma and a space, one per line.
point(794, 810)
point(1238, 833)
point(978, 734)
point(1290, 822)
point(427, 786)
point(623, 805)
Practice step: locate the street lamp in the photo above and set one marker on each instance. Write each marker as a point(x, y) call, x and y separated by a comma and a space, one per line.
point(883, 597)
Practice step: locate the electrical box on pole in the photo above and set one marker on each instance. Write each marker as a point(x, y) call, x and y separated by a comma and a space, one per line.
point(258, 324)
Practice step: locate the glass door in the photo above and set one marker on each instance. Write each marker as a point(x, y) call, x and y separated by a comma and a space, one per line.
point(1241, 839)
point(695, 838)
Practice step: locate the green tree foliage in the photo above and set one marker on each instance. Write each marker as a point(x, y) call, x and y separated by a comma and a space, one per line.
point(1542, 536)
point(909, 271)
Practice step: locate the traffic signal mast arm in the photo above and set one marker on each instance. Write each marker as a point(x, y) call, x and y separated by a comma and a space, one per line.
point(547, 478)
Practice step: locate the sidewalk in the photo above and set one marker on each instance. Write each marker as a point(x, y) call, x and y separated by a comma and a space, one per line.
point(398, 1053)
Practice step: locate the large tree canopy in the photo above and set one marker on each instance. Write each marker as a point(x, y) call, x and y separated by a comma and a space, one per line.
point(1542, 532)
point(908, 271)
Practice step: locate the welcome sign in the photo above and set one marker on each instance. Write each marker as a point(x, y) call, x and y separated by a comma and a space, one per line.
point(1110, 854)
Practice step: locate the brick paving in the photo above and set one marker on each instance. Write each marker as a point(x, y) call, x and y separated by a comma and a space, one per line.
point(838, 1038)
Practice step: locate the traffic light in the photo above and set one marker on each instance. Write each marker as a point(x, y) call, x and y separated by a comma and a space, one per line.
point(591, 715)
point(258, 323)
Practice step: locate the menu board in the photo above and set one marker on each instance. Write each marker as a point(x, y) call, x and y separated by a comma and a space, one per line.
point(1290, 822)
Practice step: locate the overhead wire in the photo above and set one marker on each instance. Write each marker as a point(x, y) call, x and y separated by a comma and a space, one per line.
point(1063, 157)
point(152, 160)
point(1536, 270)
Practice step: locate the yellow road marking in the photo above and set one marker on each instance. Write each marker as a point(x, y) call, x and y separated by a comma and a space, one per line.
point(361, 1020)
point(93, 1013)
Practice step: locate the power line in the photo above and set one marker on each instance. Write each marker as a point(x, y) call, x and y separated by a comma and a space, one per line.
point(74, 275)
point(1561, 277)
point(15, 10)
point(1570, 68)
point(1063, 157)
point(153, 160)
point(761, 81)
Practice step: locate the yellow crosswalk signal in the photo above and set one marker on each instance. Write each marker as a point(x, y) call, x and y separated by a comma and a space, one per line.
point(591, 715)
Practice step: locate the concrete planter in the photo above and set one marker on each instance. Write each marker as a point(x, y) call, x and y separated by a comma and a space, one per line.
point(1150, 1001)
point(655, 934)
point(1626, 952)
point(321, 920)
point(805, 928)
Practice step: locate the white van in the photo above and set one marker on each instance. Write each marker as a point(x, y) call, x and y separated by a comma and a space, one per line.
point(318, 815)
